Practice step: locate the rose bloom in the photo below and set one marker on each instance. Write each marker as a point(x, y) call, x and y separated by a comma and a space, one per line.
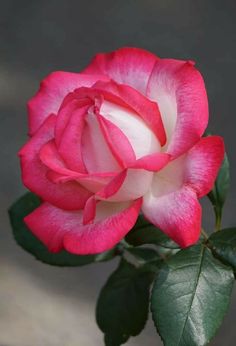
point(122, 137)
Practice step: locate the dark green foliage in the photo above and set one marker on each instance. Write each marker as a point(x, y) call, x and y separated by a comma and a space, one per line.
point(123, 304)
point(146, 233)
point(223, 244)
point(190, 297)
point(219, 192)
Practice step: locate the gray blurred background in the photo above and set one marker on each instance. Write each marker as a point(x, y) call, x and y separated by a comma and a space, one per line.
point(45, 306)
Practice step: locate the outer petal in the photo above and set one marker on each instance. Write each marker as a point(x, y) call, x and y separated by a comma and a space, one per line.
point(52, 91)
point(59, 229)
point(202, 164)
point(131, 66)
point(178, 214)
point(180, 93)
point(171, 202)
point(69, 195)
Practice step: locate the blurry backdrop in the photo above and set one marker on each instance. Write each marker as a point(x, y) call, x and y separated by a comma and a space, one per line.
point(45, 306)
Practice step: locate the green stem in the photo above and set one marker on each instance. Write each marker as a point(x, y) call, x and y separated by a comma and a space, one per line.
point(218, 215)
point(121, 247)
point(125, 244)
point(205, 235)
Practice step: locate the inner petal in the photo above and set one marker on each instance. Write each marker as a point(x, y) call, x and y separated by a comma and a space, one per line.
point(162, 89)
point(168, 108)
point(140, 136)
point(96, 182)
point(169, 179)
point(135, 185)
point(96, 154)
point(105, 209)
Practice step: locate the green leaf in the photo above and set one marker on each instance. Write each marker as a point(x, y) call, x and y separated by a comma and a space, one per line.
point(190, 297)
point(146, 258)
point(144, 255)
point(123, 304)
point(146, 233)
point(223, 244)
point(22, 207)
point(219, 192)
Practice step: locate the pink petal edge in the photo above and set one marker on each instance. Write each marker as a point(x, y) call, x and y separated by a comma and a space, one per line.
point(177, 214)
point(59, 229)
point(127, 65)
point(51, 93)
point(179, 90)
point(69, 195)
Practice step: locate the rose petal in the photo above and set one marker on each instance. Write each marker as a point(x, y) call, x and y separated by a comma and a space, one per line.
point(117, 141)
point(146, 109)
point(202, 164)
point(152, 162)
point(178, 214)
point(70, 147)
point(59, 229)
point(34, 173)
point(50, 157)
point(69, 105)
point(136, 184)
point(89, 211)
point(130, 66)
point(52, 91)
point(92, 182)
point(171, 202)
point(96, 153)
point(180, 93)
point(140, 136)
point(113, 186)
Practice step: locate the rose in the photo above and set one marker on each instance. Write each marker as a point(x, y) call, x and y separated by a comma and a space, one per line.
point(122, 137)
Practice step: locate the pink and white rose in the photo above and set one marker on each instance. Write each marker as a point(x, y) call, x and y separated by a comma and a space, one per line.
point(124, 136)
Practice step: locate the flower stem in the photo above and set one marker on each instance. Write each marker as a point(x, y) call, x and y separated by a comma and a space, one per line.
point(218, 220)
point(205, 235)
